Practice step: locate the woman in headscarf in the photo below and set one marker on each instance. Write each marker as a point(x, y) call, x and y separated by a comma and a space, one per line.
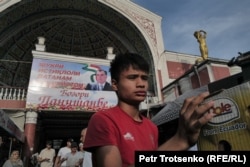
point(14, 160)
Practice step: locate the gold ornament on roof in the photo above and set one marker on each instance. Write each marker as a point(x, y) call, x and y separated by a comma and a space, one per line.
point(201, 39)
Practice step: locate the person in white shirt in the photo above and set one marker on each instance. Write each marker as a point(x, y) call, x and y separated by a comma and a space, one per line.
point(47, 155)
point(73, 158)
point(62, 152)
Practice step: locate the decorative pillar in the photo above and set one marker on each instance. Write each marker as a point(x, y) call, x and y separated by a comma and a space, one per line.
point(30, 130)
point(110, 55)
point(41, 44)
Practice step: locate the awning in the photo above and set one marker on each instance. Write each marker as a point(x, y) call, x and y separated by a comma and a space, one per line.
point(7, 124)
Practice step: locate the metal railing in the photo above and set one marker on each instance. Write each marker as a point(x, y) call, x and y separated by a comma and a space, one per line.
point(12, 93)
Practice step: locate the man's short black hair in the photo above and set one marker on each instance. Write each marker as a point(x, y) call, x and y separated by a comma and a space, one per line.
point(122, 62)
point(70, 140)
point(49, 142)
point(73, 144)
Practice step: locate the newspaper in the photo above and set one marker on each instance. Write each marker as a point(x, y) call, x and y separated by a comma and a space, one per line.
point(172, 109)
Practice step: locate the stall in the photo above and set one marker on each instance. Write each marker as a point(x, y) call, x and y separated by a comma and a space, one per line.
point(11, 137)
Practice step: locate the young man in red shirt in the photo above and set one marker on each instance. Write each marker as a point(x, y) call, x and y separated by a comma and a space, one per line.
point(115, 134)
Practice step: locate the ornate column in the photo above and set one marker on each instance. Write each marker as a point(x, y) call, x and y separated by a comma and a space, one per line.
point(30, 130)
point(110, 55)
point(41, 44)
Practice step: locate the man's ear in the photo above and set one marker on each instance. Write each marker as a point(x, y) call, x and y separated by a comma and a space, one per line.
point(114, 84)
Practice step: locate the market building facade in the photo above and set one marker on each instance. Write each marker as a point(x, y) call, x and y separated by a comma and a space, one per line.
point(80, 31)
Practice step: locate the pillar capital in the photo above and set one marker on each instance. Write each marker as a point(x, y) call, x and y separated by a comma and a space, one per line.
point(31, 117)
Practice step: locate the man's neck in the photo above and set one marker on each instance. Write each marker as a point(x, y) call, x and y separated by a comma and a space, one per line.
point(131, 110)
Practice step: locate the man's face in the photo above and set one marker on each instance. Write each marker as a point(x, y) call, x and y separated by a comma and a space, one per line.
point(15, 154)
point(74, 149)
point(132, 86)
point(48, 146)
point(68, 144)
point(101, 77)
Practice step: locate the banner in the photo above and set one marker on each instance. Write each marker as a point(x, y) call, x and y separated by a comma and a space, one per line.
point(60, 85)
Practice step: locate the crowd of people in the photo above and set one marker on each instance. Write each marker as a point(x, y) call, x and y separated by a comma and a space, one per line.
point(70, 155)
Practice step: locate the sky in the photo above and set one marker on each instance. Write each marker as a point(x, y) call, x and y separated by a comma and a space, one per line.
point(227, 23)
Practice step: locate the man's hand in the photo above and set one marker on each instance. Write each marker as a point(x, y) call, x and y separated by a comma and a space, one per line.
point(194, 114)
point(46, 159)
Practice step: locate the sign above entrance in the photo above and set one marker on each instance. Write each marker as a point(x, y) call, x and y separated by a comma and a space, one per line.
point(58, 84)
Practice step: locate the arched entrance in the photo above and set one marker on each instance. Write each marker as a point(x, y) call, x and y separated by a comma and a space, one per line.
point(80, 28)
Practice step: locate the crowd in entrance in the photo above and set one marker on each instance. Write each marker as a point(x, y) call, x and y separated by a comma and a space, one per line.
point(70, 155)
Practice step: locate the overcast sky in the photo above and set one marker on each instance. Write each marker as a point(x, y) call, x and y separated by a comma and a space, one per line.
point(227, 23)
